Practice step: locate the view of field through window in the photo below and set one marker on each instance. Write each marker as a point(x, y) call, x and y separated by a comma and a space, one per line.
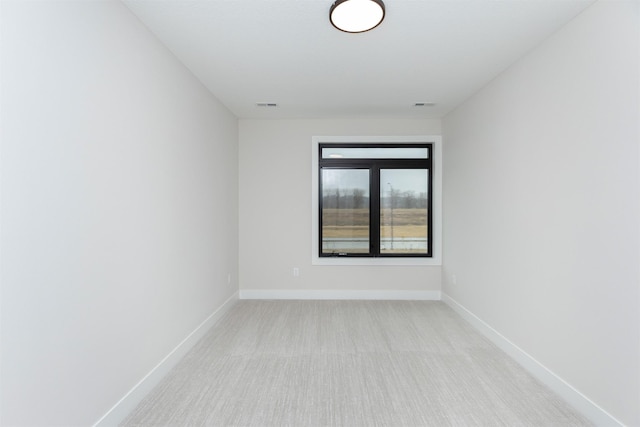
point(345, 211)
point(403, 211)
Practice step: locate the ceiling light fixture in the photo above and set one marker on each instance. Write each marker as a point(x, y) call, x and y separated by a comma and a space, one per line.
point(356, 16)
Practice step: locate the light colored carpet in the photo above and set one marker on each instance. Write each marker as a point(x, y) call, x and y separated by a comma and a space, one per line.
point(349, 363)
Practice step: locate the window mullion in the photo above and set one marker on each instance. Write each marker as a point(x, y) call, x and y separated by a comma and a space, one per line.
point(374, 212)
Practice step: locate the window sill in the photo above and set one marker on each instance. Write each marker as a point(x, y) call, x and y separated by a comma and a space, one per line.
point(376, 261)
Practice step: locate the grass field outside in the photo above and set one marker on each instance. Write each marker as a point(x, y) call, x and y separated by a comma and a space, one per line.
point(342, 223)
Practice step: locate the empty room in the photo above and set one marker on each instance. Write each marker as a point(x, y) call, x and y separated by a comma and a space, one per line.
point(303, 213)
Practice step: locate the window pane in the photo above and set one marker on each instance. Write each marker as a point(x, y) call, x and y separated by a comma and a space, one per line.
point(345, 211)
point(375, 153)
point(403, 211)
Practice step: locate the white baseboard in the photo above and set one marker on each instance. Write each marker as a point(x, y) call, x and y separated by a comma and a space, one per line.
point(130, 400)
point(579, 401)
point(339, 295)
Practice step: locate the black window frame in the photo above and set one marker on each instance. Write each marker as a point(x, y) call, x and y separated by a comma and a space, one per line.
point(374, 165)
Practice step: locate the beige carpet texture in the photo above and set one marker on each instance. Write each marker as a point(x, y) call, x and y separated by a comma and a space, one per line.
point(348, 363)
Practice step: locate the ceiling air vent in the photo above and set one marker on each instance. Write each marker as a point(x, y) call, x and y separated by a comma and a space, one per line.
point(266, 104)
point(424, 104)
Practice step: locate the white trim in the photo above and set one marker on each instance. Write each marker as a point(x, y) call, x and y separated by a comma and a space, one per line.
point(565, 390)
point(338, 295)
point(130, 400)
point(436, 260)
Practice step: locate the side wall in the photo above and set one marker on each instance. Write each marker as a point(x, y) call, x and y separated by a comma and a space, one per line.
point(541, 206)
point(119, 208)
point(275, 213)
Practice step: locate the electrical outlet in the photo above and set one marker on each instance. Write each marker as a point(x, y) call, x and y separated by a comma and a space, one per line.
point(454, 279)
point(296, 272)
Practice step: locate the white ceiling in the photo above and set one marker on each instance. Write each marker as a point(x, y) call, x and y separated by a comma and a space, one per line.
point(287, 52)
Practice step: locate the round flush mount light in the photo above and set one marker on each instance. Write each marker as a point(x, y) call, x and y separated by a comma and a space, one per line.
point(356, 16)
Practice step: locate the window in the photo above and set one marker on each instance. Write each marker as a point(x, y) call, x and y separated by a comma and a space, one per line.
point(375, 200)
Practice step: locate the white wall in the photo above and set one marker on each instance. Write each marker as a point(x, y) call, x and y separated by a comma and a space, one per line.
point(541, 206)
point(119, 207)
point(275, 210)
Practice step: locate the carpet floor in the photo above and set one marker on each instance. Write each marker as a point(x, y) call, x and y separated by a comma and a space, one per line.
point(348, 363)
